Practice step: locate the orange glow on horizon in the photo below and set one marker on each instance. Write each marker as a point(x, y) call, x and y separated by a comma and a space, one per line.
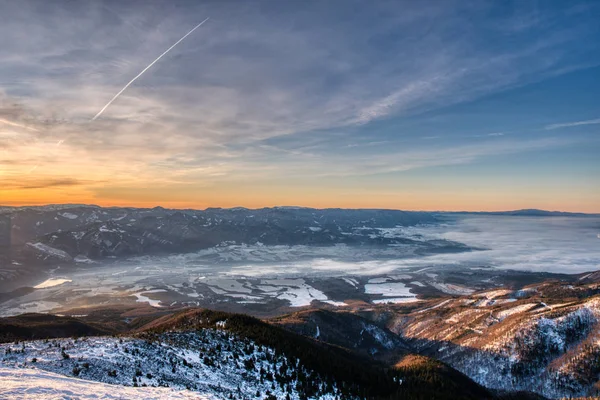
point(400, 201)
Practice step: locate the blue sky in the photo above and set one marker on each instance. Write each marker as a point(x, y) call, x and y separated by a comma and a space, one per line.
point(417, 105)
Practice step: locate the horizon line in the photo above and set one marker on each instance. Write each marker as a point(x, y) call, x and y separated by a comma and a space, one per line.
point(303, 207)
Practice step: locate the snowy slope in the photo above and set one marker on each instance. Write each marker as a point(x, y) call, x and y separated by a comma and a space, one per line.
point(553, 350)
point(33, 383)
point(210, 362)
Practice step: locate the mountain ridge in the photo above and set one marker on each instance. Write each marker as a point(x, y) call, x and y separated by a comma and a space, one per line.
point(520, 211)
point(258, 344)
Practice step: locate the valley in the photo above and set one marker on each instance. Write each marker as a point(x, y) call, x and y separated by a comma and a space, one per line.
point(493, 301)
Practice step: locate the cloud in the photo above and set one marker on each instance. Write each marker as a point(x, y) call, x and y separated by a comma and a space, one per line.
point(219, 106)
point(36, 183)
point(571, 124)
point(256, 78)
point(409, 96)
point(416, 158)
point(558, 246)
point(259, 164)
point(493, 134)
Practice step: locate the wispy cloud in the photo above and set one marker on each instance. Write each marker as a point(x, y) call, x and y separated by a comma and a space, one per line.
point(320, 75)
point(37, 183)
point(572, 124)
point(417, 158)
point(493, 134)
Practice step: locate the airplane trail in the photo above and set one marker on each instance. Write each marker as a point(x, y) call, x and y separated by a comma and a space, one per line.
point(7, 122)
point(145, 69)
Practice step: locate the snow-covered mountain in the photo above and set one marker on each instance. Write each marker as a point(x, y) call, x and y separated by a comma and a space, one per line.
point(214, 354)
point(509, 342)
point(542, 338)
point(37, 384)
point(348, 330)
point(210, 362)
point(545, 338)
point(54, 234)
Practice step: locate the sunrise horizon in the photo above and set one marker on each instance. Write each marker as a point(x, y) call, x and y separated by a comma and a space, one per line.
point(176, 207)
point(425, 108)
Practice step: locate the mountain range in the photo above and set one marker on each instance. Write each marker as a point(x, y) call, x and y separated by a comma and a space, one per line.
point(433, 332)
point(537, 342)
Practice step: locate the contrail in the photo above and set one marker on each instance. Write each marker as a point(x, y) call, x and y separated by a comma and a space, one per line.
point(145, 69)
point(7, 122)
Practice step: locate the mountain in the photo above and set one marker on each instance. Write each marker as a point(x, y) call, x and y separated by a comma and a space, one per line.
point(54, 234)
point(331, 363)
point(544, 338)
point(530, 212)
point(452, 331)
point(426, 376)
point(218, 355)
point(68, 233)
point(536, 333)
point(43, 326)
point(208, 361)
point(347, 330)
point(432, 377)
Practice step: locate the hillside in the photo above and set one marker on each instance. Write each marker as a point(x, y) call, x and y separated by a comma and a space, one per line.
point(45, 326)
point(347, 330)
point(36, 384)
point(195, 349)
point(333, 364)
point(544, 338)
point(495, 343)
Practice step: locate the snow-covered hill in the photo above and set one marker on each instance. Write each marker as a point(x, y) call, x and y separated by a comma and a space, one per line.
point(36, 384)
point(211, 362)
point(513, 341)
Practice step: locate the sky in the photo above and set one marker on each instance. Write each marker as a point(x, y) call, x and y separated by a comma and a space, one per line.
point(430, 105)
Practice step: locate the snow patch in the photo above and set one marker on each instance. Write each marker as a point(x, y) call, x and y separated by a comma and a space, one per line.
point(44, 248)
point(68, 215)
point(144, 299)
point(351, 281)
point(51, 283)
point(396, 300)
point(389, 289)
point(35, 384)
point(515, 310)
point(452, 289)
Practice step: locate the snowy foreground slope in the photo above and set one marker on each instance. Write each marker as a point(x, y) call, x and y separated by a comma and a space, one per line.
point(33, 383)
point(209, 362)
